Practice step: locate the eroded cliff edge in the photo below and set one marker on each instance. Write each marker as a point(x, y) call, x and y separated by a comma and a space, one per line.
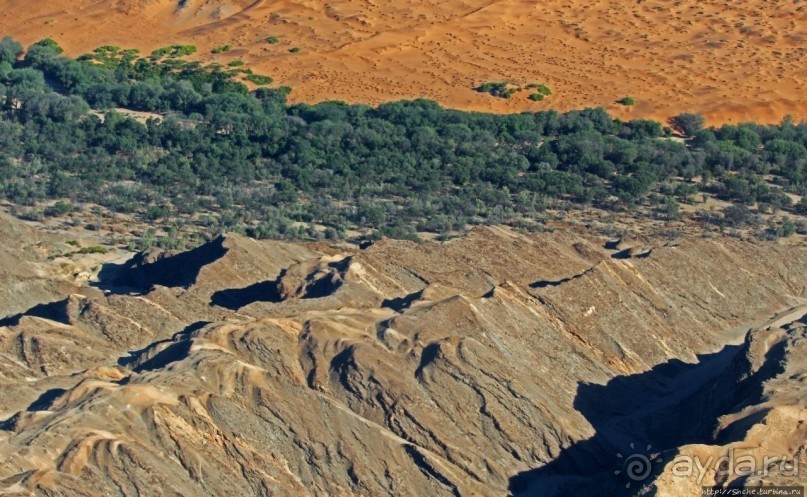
point(491, 364)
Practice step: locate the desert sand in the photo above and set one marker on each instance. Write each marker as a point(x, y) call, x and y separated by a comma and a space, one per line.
point(731, 61)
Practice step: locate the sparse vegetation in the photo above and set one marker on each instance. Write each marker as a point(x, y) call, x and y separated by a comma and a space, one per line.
point(500, 90)
point(258, 79)
point(222, 49)
point(507, 90)
point(173, 51)
point(95, 249)
point(544, 90)
point(60, 208)
point(788, 227)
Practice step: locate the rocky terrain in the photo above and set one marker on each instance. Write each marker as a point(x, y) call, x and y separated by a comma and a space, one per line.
point(731, 61)
point(494, 364)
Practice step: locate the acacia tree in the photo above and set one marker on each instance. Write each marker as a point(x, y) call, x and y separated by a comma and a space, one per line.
point(687, 124)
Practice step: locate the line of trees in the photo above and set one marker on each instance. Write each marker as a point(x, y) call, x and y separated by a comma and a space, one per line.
point(265, 166)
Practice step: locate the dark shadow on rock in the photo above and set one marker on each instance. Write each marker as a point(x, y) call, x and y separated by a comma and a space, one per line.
point(54, 311)
point(550, 283)
point(318, 286)
point(400, 303)
point(343, 367)
point(11, 320)
point(235, 299)
point(428, 356)
point(174, 352)
point(648, 416)
point(622, 254)
point(631, 253)
point(740, 427)
point(428, 469)
point(143, 271)
point(163, 357)
point(45, 400)
point(322, 287)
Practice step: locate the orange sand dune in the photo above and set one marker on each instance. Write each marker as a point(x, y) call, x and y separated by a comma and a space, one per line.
point(732, 61)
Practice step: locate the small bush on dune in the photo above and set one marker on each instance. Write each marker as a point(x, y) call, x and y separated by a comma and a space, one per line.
point(173, 52)
point(258, 79)
point(223, 48)
point(496, 89)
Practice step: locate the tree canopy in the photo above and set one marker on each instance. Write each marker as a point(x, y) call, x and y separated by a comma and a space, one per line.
point(248, 160)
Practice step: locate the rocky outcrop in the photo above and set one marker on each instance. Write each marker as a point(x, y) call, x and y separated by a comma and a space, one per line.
point(265, 368)
point(760, 438)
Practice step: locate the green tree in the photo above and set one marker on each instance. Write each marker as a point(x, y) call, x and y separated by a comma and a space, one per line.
point(10, 50)
point(687, 124)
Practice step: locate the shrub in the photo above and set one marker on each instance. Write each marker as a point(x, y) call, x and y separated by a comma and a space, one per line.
point(50, 43)
point(294, 49)
point(223, 48)
point(258, 79)
point(156, 212)
point(627, 101)
point(671, 209)
point(60, 208)
point(496, 89)
point(95, 249)
point(788, 226)
point(173, 52)
point(236, 63)
point(737, 216)
point(272, 40)
point(802, 205)
point(536, 97)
